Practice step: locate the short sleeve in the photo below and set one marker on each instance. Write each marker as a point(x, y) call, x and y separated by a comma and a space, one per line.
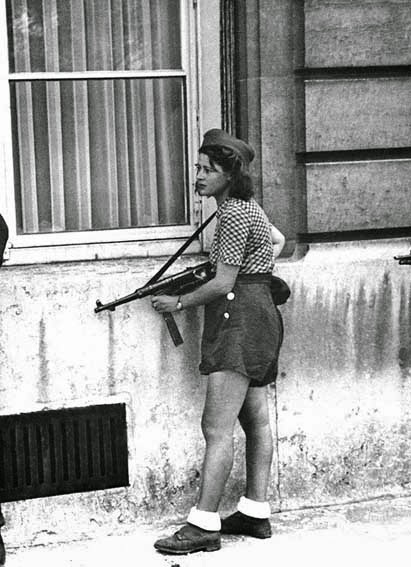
point(233, 233)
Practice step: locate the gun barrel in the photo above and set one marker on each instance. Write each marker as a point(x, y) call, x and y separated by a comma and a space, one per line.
point(111, 306)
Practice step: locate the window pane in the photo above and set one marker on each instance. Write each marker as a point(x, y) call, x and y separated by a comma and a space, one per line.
point(84, 35)
point(99, 154)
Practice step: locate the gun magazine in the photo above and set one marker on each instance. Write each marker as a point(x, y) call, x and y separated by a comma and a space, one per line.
point(173, 329)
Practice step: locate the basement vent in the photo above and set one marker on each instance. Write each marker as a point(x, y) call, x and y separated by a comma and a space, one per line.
point(63, 451)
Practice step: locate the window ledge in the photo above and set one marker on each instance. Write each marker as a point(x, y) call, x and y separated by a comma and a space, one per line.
point(90, 252)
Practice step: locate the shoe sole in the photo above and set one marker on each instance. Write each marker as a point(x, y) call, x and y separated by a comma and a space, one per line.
point(258, 536)
point(167, 551)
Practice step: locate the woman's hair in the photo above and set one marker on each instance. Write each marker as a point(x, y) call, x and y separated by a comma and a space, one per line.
point(241, 185)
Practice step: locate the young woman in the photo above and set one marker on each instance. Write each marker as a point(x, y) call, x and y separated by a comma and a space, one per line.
point(240, 345)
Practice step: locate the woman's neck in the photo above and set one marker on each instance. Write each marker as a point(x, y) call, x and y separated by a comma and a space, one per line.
point(221, 198)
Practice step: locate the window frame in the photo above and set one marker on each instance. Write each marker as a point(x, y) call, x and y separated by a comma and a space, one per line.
point(110, 243)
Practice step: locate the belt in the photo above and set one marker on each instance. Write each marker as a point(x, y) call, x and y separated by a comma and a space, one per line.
point(254, 278)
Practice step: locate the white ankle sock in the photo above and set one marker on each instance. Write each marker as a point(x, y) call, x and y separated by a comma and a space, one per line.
point(253, 508)
point(205, 520)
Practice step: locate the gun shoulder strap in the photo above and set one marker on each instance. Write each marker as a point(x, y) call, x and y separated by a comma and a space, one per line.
point(182, 248)
point(168, 317)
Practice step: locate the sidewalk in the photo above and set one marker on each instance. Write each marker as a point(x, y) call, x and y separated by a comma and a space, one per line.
point(376, 533)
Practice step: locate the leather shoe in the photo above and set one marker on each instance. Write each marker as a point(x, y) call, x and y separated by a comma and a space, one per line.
point(189, 539)
point(2, 552)
point(241, 524)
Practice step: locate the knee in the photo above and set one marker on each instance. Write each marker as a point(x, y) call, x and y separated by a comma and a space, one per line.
point(214, 433)
point(210, 431)
point(255, 425)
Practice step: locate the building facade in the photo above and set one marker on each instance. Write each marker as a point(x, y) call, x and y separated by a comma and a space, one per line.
point(104, 105)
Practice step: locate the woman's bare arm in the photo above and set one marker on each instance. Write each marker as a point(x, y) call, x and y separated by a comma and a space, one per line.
point(278, 240)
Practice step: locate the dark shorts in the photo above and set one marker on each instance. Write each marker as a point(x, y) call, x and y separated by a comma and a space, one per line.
point(244, 334)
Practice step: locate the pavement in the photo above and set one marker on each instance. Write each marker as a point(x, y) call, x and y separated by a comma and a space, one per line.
point(372, 533)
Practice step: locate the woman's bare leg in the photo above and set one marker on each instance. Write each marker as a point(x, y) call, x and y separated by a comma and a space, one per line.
point(255, 421)
point(226, 393)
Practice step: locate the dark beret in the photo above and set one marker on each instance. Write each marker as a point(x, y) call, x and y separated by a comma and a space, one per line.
point(216, 137)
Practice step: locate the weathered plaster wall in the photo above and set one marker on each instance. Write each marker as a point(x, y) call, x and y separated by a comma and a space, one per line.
point(345, 389)
point(56, 352)
point(341, 404)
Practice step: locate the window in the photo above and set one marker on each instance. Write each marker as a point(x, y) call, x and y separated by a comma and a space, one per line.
point(101, 97)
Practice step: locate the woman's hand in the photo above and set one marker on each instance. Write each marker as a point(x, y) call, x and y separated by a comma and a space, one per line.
point(221, 284)
point(164, 303)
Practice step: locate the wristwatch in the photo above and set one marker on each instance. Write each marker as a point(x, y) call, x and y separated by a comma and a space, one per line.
point(179, 305)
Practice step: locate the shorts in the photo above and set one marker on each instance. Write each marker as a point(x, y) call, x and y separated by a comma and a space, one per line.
point(243, 334)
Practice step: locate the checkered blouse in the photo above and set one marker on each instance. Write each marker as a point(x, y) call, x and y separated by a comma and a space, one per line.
point(242, 237)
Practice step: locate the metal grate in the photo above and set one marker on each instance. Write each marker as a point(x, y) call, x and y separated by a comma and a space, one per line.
point(63, 451)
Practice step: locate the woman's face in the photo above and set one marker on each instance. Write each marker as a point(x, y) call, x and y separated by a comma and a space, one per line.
point(211, 180)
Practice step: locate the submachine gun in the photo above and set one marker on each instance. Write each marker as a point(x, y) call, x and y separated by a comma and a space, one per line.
point(404, 259)
point(176, 284)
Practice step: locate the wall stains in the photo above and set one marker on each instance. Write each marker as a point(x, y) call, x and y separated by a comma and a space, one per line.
point(43, 383)
point(165, 486)
point(347, 359)
point(111, 358)
point(357, 319)
point(404, 350)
